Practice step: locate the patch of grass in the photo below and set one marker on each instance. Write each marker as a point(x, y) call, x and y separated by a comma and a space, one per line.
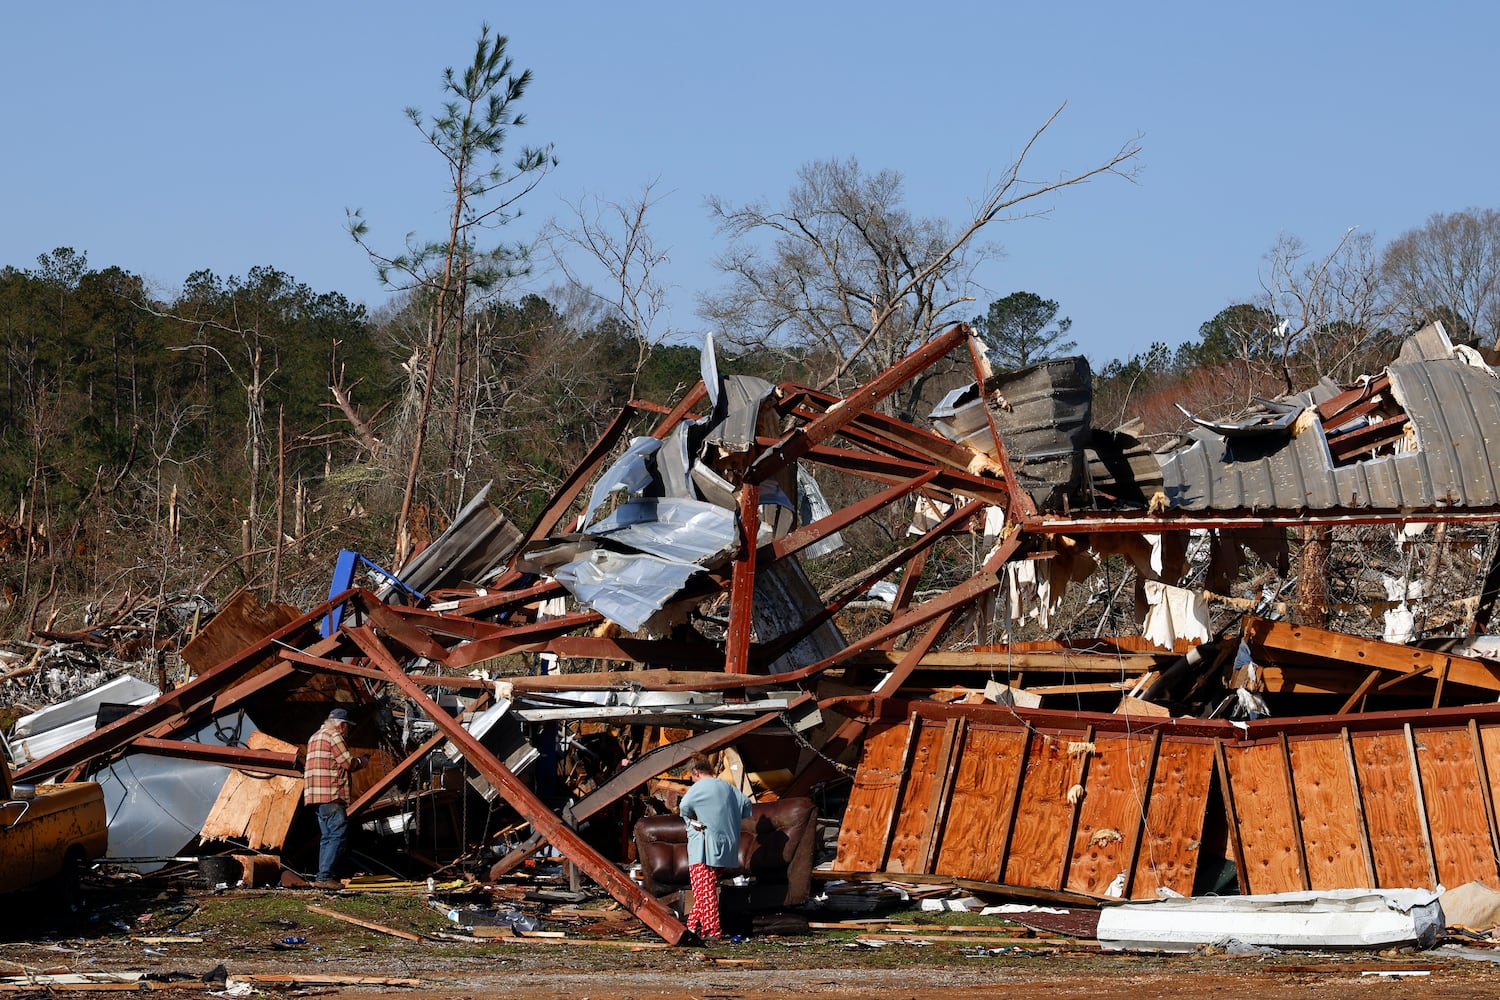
point(263, 919)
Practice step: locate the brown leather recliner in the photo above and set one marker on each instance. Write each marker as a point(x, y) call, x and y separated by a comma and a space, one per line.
point(776, 848)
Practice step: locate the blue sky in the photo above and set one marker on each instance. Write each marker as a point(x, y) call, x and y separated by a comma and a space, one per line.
point(168, 137)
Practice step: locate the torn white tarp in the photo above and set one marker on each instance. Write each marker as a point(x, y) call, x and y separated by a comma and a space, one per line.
point(1339, 918)
point(1174, 615)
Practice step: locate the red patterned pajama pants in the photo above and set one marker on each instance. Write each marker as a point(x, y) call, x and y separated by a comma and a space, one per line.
point(704, 918)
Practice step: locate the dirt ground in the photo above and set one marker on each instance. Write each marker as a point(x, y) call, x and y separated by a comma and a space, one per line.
point(180, 937)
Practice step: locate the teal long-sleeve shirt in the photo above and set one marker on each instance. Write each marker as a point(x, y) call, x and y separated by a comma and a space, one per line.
point(714, 809)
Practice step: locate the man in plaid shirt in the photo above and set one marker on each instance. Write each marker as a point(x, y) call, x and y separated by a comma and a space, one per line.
point(326, 786)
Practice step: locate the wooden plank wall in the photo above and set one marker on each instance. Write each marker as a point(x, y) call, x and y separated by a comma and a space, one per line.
point(1168, 856)
point(1000, 803)
point(993, 804)
point(980, 809)
point(1393, 813)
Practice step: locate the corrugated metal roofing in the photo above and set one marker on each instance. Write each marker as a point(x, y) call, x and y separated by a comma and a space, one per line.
point(1454, 408)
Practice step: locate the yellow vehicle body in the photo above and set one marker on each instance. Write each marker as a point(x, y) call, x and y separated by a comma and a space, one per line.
point(47, 831)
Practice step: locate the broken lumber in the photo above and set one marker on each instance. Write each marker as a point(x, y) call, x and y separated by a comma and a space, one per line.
point(369, 925)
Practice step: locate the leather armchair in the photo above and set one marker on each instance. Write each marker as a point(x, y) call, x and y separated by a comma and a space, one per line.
point(777, 844)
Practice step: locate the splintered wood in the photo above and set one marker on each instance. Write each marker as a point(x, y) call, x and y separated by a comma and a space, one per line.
point(1020, 800)
point(255, 809)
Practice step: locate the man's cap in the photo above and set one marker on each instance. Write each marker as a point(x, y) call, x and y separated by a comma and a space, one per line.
point(338, 715)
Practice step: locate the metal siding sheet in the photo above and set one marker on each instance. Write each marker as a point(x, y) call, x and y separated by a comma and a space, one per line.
point(1454, 410)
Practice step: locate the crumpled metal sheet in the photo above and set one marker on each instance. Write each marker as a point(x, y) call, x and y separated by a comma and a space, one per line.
point(671, 528)
point(632, 474)
point(626, 588)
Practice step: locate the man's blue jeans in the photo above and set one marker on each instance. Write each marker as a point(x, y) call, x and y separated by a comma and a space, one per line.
point(334, 825)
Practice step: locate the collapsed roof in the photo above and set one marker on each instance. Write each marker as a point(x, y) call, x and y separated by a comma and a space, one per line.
point(685, 567)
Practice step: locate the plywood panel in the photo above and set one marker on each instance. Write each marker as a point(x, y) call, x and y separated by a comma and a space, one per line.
point(1263, 810)
point(1331, 832)
point(1039, 841)
point(1390, 801)
point(1455, 812)
point(241, 623)
point(979, 808)
point(1489, 740)
point(876, 781)
point(916, 800)
point(1168, 855)
point(255, 810)
point(1110, 814)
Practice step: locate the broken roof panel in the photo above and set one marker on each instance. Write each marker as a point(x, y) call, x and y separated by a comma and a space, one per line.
point(626, 588)
point(672, 528)
point(1438, 457)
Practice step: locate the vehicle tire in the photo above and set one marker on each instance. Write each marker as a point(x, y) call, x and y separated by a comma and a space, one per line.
point(63, 893)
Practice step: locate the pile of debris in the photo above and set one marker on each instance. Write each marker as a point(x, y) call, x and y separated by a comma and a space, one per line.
point(526, 690)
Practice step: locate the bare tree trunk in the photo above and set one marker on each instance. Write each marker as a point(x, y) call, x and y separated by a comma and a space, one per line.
point(280, 502)
point(1312, 576)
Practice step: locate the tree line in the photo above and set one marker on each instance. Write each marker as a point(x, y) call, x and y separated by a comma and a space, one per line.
point(236, 433)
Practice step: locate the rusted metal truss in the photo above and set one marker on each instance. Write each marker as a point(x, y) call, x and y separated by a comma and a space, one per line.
point(418, 650)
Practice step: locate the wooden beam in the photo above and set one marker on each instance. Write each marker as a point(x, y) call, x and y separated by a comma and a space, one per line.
point(1337, 650)
point(1015, 804)
point(269, 761)
point(1358, 697)
point(368, 925)
point(1486, 792)
point(1138, 837)
point(1296, 817)
point(1231, 810)
point(944, 776)
point(1080, 780)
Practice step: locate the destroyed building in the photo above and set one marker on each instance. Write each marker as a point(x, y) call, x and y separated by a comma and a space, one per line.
point(664, 604)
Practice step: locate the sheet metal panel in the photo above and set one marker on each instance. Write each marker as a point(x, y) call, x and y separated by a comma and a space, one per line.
point(1454, 408)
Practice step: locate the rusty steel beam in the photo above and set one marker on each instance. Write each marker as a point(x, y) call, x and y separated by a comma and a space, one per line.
point(663, 652)
point(867, 579)
point(200, 690)
point(810, 534)
point(1141, 521)
point(649, 909)
point(521, 638)
point(268, 761)
point(636, 774)
point(346, 669)
point(742, 584)
point(890, 469)
point(795, 444)
point(501, 600)
point(437, 622)
point(680, 412)
point(395, 774)
point(873, 426)
point(403, 629)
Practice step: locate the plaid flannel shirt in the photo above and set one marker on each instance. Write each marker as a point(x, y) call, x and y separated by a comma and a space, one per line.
point(326, 776)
